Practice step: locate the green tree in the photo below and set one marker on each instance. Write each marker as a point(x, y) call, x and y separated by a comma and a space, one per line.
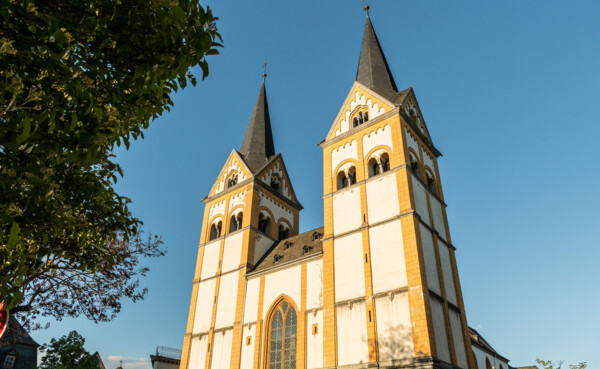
point(547, 364)
point(67, 352)
point(78, 77)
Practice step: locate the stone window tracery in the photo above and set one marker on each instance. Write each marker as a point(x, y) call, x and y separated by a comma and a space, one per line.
point(215, 230)
point(379, 164)
point(235, 222)
point(232, 179)
point(430, 181)
point(346, 177)
point(361, 117)
point(282, 338)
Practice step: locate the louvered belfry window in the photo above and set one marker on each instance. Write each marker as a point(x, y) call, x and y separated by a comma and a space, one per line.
point(282, 342)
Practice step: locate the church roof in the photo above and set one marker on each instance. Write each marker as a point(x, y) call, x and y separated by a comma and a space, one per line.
point(257, 146)
point(373, 70)
point(292, 248)
point(16, 334)
point(477, 339)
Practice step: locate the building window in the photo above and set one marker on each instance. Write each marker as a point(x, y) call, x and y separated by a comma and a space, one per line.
point(232, 180)
point(284, 232)
point(235, 222)
point(355, 122)
point(379, 165)
point(9, 361)
point(366, 116)
point(275, 184)
point(215, 230)
point(315, 329)
point(384, 160)
point(488, 365)
point(346, 178)
point(430, 181)
point(282, 340)
point(413, 163)
point(264, 224)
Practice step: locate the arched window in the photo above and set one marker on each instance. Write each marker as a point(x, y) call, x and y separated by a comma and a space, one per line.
point(488, 365)
point(360, 118)
point(384, 159)
point(366, 116)
point(351, 176)
point(341, 177)
point(215, 230)
point(284, 232)
point(264, 224)
point(373, 167)
point(282, 338)
point(232, 180)
point(475, 360)
point(235, 222)
point(355, 122)
point(275, 184)
point(414, 164)
point(430, 181)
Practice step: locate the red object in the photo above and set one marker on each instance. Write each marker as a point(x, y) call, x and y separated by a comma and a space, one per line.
point(3, 319)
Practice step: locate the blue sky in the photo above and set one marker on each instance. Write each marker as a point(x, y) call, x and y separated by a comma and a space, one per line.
point(510, 93)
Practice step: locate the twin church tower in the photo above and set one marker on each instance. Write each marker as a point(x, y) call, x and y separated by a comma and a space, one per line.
point(377, 286)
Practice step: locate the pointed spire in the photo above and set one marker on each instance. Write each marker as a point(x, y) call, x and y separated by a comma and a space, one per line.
point(373, 70)
point(257, 145)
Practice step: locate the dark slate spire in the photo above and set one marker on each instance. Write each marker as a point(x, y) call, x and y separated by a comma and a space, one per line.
point(373, 70)
point(258, 145)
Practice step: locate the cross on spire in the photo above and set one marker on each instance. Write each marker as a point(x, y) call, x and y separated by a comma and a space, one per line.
point(265, 69)
point(367, 7)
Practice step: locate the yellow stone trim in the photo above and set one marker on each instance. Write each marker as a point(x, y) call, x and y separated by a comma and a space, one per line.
point(367, 157)
point(259, 324)
point(440, 270)
point(329, 316)
point(301, 336)
point(285, 174)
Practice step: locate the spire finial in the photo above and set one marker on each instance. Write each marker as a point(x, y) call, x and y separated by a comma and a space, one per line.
point(265, 70)
point(367, 7)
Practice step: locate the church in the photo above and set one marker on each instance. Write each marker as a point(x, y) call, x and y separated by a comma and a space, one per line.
point(376, 287)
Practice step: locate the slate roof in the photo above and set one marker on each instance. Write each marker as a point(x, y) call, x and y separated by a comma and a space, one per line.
point(481, 342)
point(292, 248)
point(16, 335)
point(257, 146)
point(373, 70)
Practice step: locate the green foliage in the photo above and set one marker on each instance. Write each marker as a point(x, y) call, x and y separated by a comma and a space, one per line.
point(67, 352)
point(547, 364)
point(78, 77)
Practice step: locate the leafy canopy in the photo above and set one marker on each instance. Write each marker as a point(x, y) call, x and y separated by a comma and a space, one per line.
point(67, 352)
point(547, 364)
point(78, 77)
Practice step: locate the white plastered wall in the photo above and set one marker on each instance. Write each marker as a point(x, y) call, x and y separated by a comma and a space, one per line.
point(314, 342)
point(251, 302)
point(222, 349)
point(262, 244)
point(438, 217)
point(457, 335)
point(412, 141)
point(227, 300)
point(233, 166)
point(382, 198)
point(349, 267)
point(204, 306)
point(314, 284)
point(439, 329)
point(431, 270)
point(247, 359)
point(447, 271)
point(481, 355)
point(374, 111)
point(421, 200)
point(210, 260)
point(276, 169)
point(232, 252)
point(346, 210)
point(381, 136)
point(343, 152)
point(286, 281)
point(394, 333)
point(387, 257)
point(217, 209)
point(198, 352)
point(352, 334)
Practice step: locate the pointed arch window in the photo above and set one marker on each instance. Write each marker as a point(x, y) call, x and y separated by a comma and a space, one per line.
point(414, 164)
point(430, 180)
point(215, 230)
point(282, 338)
point(284, 232)
point(235, 222)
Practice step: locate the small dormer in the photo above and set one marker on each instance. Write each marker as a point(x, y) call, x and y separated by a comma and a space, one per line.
point(306, 249)
point(277, 257)
point(316, 236)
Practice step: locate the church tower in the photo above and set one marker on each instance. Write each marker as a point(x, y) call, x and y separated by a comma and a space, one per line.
point(251, 206)
point(391, 291)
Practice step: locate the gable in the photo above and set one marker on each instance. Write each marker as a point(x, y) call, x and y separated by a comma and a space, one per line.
point(360, 99)
point(276, 170)
point(233, 166)
point(410, 107)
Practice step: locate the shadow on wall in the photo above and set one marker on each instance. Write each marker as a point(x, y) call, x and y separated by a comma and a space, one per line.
point(395, 343)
